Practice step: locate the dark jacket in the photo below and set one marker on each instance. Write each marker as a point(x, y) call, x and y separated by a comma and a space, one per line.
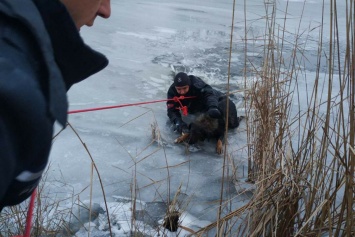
point(205, 97)
point(41, 56)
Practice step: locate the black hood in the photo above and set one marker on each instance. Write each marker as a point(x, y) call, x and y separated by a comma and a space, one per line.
point(76, 60)
point(68, 59)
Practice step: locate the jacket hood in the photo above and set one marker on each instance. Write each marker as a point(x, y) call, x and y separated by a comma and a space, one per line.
point(68, 59)
point(76, 60)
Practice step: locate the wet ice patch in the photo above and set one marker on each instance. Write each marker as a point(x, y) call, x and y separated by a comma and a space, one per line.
point(140, 35)
point(194, 148)
point(165, 30)
point(211, 64)
point(148, 219)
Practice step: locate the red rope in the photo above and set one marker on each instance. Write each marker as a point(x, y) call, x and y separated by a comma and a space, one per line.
point(29, 216)
point(182, 108)
point(176, 99)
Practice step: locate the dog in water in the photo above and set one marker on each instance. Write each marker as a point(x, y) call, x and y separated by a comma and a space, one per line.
point(204, 127)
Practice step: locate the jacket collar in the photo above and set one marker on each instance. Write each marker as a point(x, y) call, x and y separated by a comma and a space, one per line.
point(69, 60)
point(76, 60)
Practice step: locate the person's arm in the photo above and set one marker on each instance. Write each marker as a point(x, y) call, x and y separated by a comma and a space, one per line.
point(7, 158)
point(26, 130)
point(173, 112)
point(210, 96)
point(172, 107)
point(26, 124)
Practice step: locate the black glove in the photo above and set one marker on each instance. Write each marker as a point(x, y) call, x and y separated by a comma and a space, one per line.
point(180, 125)
point(214, 112)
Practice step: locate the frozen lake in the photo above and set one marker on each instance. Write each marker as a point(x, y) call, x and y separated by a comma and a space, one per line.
point(145, 42)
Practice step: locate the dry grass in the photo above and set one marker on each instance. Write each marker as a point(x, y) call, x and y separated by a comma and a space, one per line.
point(302, 162)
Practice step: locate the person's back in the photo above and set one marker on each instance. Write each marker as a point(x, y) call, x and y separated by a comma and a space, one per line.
point(41, 57)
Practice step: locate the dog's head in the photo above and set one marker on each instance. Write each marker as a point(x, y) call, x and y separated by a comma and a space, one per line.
point(196, 133)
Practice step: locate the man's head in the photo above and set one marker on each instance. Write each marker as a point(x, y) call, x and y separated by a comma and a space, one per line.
point(182, 83)
point(84, 12)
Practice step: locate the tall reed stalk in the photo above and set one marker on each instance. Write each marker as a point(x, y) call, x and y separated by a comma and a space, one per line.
point(303, 161)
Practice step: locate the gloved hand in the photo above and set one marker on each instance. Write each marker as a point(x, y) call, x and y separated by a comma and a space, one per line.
point(214, 112)
point(180, 125)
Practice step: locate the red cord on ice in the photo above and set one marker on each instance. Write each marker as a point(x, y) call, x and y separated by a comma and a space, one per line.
point(175, 99)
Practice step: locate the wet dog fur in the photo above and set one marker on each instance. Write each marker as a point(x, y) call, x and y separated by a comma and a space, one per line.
point(204, 127)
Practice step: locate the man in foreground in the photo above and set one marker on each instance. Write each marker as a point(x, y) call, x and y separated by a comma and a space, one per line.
point(41, 56)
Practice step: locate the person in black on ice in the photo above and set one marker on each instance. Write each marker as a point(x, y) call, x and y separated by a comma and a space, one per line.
point(206, 99)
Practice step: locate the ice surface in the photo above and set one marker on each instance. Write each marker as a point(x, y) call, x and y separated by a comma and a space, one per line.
point(146, 41)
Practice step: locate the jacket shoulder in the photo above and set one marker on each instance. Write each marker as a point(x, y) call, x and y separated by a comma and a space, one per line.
point(197, 82)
